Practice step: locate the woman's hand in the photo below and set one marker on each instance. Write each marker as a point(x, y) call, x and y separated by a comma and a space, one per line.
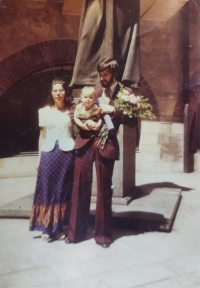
point(38, 164)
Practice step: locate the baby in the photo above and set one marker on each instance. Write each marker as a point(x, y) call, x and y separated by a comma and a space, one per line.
point(87, 112)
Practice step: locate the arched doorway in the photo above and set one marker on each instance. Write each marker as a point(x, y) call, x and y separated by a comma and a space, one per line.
point(25, 78)
point(19, 110)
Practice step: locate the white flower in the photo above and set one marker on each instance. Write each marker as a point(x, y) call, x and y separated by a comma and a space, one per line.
point(125, 98)
point(134, 99)
point(125, 92)
point(138, 98)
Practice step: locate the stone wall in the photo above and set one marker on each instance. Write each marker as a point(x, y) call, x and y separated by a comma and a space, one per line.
point(194, 71)
point(194, 58)
point(161, 147)
point(163, 49)
point(24, 23)
point(33, 24)
point(197, 162)
point(34, 34)
point(18, 166)
point(34, 57)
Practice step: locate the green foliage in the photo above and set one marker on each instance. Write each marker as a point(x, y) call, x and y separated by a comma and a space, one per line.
point(102, 137)
point(143, 109)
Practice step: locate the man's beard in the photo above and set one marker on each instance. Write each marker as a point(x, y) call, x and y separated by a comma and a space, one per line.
point(107, 84)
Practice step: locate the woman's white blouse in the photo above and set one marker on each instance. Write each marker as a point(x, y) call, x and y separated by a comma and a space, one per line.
point(58, 127)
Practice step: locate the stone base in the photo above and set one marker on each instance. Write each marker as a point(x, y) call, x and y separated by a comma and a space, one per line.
point(155, 211)
point(197, 161)
point(19, 208)
point(121, 201)
point(116, 200)
point(160, 147)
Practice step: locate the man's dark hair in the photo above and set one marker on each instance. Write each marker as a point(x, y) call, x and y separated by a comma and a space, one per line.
point(109, 64)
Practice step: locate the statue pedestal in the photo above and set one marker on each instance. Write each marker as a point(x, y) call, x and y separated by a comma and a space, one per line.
point(124, 170)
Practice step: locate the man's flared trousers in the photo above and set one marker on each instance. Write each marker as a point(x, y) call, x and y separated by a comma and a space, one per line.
point(83, 173)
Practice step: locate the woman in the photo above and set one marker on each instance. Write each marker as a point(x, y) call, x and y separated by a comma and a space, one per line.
point(52, 199)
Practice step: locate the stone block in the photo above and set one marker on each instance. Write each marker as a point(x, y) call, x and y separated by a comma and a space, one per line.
point(177, 128)
point(153, 126)
point(124, 169)
point(171, 151)
point(156, 210)
point(197, 162)
point(18, 166)
point(164, 138)
point(150, 148)
point(170, 138)
point(138, 162)
point(148, 138)
point(163, 167)
point(166, 127)
point(149, 157)
point(169, 166)
point(149, 166)
point(177, 166)
point(160, 166)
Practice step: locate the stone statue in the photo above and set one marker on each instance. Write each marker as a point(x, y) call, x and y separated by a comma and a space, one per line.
point(108, 29)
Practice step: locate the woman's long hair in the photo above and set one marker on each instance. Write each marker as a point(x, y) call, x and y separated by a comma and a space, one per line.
point(68, 98)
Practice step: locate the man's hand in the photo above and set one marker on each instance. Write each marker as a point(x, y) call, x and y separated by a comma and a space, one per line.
point(106, 109)
point(96, 127)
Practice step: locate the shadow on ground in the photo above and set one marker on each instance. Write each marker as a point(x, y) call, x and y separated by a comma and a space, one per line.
point(145, 213)
point(146, 189)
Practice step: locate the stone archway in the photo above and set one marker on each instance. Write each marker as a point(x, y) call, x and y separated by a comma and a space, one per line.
point(35, 57)
point(19, 107)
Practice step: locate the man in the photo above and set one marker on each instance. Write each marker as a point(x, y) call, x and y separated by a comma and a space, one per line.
point(87, 154)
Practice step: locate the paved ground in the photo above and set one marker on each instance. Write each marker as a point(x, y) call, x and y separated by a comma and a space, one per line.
point(135, 259)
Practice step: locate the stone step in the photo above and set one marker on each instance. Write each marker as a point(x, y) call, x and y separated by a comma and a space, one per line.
point(155, 211)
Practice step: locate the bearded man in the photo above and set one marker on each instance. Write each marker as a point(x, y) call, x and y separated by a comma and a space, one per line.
point(87, 153)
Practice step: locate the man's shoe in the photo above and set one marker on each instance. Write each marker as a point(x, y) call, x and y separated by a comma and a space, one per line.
point(68, 241)
point(104, 245)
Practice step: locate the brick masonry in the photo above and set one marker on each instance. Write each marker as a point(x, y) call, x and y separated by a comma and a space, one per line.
point(35, 57)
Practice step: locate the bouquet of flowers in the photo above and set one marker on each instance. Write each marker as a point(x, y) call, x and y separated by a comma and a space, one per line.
point(133, 106)
point(102, 137)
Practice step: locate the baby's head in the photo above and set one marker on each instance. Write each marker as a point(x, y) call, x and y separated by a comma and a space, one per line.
point(88, 95)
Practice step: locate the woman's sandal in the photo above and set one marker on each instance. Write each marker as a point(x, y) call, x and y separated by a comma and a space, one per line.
point(45, 237)
point(61, 236)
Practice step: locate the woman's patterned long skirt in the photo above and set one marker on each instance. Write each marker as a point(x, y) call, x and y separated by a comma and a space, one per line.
point(53, 193)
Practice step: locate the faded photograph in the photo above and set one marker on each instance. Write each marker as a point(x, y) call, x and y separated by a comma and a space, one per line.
point(99, 143)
